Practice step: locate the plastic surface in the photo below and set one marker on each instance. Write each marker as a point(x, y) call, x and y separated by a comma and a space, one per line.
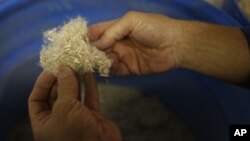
point(232, 7)
point(207, 106)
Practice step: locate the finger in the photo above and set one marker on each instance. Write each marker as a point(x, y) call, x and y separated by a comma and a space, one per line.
point(91, 99)
point(113, 57)
point(120, 69)
point(118, 66)
point(53, 96)
point(68, 86)
point(124, 58)
point(38, 100)
point(119, 30)
point(127, 52)
point(96, 30)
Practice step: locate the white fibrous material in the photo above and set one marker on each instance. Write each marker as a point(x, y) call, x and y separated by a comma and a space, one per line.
point(69, 45)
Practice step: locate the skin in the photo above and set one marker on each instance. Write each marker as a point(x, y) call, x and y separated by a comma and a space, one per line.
point(142, 43)
point(138, 43)
point(57, 114)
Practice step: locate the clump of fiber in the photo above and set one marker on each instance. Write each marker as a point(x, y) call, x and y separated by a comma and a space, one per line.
point(69, 45)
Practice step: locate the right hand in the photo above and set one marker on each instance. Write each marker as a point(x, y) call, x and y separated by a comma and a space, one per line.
point(138, 43)
point(57, 115)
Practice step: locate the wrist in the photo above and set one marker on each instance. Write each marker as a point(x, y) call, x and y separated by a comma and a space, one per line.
point(184, 44)
point(187, 47)
point(214, 50)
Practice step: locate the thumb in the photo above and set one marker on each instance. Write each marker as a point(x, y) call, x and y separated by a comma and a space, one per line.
point(91, 92)
point(117, 31)
point(68, 86)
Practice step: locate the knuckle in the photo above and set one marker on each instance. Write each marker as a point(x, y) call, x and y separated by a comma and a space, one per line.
point(68, 89)
point(108, 34)
point(132, 18)
point(30, 99)
point(131, 14)
point(64, 106)
point(42, 85)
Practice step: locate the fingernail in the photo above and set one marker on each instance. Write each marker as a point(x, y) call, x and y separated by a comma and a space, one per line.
point(64, 72)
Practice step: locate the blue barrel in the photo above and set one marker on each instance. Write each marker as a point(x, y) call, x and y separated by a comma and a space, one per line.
point(232, 7)
point(206, 105)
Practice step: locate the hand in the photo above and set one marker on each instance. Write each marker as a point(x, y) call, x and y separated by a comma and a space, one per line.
point(67, 119)
point(138, 43)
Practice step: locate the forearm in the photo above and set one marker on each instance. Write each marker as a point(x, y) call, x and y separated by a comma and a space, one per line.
point(218, 51)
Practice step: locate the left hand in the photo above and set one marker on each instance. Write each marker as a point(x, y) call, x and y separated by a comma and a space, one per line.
point(67, 119)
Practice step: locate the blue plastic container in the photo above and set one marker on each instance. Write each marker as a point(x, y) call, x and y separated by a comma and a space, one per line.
point(232, 7)
point(206, 105)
